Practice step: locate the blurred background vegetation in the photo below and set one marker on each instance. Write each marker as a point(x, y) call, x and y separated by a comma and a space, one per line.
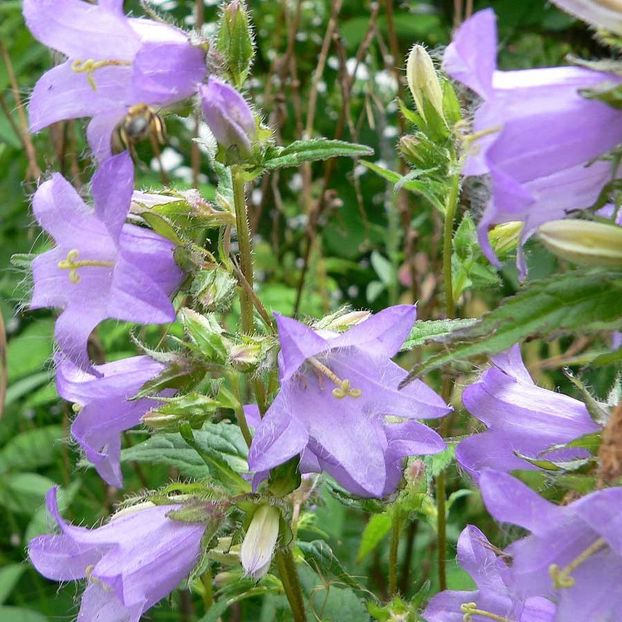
point(327, 235)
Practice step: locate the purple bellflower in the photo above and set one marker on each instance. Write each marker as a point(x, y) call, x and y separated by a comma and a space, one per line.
point(574, 553)
point(494, 595)
point(228, 116)
point(100, 268)
point(340, 407)
point(535, 135)
point(521, 417)
point(113, 63)
point(105, 407)
point(130, 563)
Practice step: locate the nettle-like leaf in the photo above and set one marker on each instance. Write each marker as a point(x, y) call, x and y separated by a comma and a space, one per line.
point(575, 301)
point(301, 151)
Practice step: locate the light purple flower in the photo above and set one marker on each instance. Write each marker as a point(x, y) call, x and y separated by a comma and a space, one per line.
point(105, 409)
point(100, 268)
point(538, 133)
point(130, 563)
point(340, 408)
point(495, 592)
point(113, 62)
point(574, 553)
point(228, 116)
point(521, 417)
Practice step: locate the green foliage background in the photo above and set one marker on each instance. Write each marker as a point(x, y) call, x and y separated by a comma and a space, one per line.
point(357, 257)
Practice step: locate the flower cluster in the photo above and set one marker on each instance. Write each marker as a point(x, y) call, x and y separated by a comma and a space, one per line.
point(536, 137)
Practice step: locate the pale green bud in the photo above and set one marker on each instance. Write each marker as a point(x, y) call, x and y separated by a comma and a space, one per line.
point(505, 237)
point(347, 320)
point(260, 541)
point(235, 41)
point(423, 81)
point(583, 242)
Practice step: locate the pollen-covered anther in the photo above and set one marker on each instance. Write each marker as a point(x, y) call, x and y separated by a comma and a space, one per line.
point(72, 263)
point(561, 576)
point(342, 388)
point(90, 66)
point(471, 609)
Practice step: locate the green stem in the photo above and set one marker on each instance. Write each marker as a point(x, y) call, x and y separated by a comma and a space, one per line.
point(448, 236)
point(208, 590)
point(450, 311)
point(396, 529)
point(244, 243)
point(289, 578)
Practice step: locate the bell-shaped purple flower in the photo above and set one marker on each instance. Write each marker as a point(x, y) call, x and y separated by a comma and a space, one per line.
point(536, 135)
point(495, 591)
point(521, 417)
point(340, 408)
point(113, 63)
point(228, 116)
point(100, 268)
point(574, 553)
point(130, 563)
point(105, 407)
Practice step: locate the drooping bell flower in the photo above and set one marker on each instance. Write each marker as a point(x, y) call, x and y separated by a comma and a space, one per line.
point(521, 418)
point(574, 553)
point(228, 116)
point(495, 598)
point(534, 134)
point(340, 408)
point(100, 267)
point(130, 563)
point(105, 408)
point(113, 64)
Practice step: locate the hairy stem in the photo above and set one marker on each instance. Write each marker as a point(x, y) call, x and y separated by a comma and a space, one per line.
point(396, 529)
point(244, 242)
point(291, 584)
point(450, 311)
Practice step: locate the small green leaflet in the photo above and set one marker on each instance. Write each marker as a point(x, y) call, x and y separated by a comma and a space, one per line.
point(302, 151)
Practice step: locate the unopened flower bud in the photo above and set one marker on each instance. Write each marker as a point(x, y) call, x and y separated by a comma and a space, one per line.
point(214, 289)
point(605, 14)
point(228, 116)
point(423, 81)
point(347, 320)
point(505, 237)
point(245, 357)
point(235, 41)
point(260, 541)
point(583, 242)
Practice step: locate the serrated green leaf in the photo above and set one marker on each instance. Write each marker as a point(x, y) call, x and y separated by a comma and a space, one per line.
point(320, 555)
point(377, 528)
point(432, 330)
point(222, 438)
point(575, 301)
point(302, 151)
point(31, 449)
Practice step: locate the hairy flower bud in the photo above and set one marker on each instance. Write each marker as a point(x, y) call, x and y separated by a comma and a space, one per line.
point(245, 357)
point(605, 14)
point(347, 320)
point(583, 242)
point(235, 41)
point(260, 541)
point(228, 116)
point(423, 81)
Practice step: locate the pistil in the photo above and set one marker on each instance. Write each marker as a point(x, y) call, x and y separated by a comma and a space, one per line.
point(342, 387)
point(561, 576)
point(470, 610)
point(72, 263)
point(90, 66)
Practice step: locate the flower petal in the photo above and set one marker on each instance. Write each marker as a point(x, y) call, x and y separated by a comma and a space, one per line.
point(511, 501)
point(62, 94)
point(99, 603)
point(101, 129)
point(298, 343)
point(80, 29)
point(112, 188)
point(382, 334)
point(471, 57)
